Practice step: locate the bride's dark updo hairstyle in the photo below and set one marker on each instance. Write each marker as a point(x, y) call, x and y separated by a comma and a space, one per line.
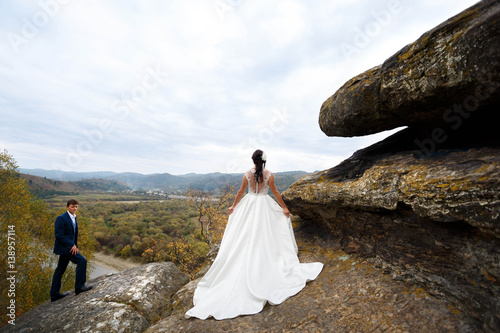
point(259, 165)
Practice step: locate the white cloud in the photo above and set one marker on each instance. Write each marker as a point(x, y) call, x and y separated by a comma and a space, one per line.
point(77, 92)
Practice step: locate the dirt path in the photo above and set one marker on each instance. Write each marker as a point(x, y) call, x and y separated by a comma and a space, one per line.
point(113, 263)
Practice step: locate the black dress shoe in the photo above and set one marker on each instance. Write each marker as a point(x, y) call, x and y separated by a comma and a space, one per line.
point(58, 296)
point(83, 289)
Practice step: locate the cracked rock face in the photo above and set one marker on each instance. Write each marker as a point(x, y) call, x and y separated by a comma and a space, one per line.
point(452, 185)
point(455, 63)
point(128, 301)
point(431, 220)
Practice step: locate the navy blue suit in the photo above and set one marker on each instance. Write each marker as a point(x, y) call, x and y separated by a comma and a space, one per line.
point(66, 237)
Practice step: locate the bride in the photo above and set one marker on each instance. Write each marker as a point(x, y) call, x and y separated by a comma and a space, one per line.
point(257, 261)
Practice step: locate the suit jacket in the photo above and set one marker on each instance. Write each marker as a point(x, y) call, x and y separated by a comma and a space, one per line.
point(66, 235)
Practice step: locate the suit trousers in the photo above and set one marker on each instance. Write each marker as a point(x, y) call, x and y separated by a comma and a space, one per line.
point(81, 272)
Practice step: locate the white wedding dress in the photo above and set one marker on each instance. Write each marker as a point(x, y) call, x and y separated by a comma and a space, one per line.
point(257, 261)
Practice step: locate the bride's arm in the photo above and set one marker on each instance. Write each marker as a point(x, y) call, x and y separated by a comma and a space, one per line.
point(277, 195)
point(240, 193)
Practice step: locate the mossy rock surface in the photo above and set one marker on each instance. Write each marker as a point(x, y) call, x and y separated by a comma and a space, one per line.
point(456, 63)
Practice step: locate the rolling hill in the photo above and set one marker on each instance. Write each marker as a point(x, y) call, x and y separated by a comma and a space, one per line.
point(54, 180)
point(44, 187)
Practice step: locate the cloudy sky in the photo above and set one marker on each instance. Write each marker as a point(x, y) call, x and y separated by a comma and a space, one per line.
point(190, 86)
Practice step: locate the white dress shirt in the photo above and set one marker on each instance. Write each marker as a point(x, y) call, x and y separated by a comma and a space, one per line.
point(73, 219)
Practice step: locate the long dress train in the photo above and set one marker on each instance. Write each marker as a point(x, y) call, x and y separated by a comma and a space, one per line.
point(257, 261)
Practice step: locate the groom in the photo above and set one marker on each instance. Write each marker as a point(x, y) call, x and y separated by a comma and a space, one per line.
point(66, 246)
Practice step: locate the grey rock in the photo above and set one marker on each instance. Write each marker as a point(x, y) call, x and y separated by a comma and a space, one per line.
point(128, 301)
point(452, 185)
point(456, 63)
point(432, 220)
point(424, 204)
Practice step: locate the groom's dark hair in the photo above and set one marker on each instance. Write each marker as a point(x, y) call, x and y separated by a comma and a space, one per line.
point(72, 202)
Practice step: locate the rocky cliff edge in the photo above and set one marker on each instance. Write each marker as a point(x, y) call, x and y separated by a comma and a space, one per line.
point(425, 202)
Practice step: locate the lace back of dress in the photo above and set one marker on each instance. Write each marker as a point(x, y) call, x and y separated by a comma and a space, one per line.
point(261, 187)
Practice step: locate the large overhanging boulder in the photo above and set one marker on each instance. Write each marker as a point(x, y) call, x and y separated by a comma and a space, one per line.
point(424, 202)
point(449, 72)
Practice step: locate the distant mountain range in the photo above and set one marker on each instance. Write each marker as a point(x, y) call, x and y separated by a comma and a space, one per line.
point(108, 180)
point(43, 187)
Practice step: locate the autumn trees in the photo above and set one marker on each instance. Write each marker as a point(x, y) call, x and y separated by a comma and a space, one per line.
point(189, 252)
point(179, 230)
point(211, 212)
point(27, 231)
